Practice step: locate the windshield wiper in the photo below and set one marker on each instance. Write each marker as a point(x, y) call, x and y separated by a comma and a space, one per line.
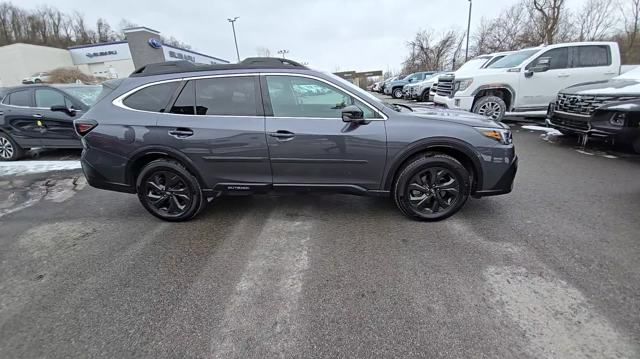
point(396, 105)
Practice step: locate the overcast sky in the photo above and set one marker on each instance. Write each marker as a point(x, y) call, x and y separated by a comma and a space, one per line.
point(360, 35)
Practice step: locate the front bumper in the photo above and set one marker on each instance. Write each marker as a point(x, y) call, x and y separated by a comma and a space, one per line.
point(504, 184)
point(593, 126)
point(457, 102)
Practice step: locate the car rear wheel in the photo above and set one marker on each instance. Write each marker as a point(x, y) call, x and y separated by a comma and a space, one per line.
point(432, 188)
point(9, 149)
point(491, 106)
point(636, 145)
point(397, 93)
point(425, 96)
point(169, 191)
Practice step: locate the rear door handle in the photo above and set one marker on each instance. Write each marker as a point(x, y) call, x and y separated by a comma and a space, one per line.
point(181, 132)
point(282, 134)
point(37, 115)
point(563, 75)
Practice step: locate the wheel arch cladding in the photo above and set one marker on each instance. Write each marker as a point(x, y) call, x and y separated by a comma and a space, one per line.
point(460, 150)
point(143, 157)
point(504, 91)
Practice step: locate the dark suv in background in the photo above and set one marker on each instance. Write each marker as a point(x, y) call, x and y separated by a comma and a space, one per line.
point(41, 116)
point(180, 135)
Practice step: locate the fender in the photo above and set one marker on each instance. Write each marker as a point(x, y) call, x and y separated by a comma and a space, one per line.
point(163, 151)
point(424, 145)
point(496, 86)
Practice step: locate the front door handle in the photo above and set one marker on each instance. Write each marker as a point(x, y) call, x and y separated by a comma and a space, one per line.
point(282, 134)
point(37, 115)
point(563, 75)
point(181, 132)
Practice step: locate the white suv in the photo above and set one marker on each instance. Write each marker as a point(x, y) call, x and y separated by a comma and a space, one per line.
point(528, 80)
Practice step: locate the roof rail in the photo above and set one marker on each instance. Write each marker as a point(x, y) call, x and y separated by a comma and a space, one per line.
point(170, 67)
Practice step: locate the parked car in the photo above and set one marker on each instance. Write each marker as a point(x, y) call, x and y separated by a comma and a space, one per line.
point(528, 80)
point(420, 91)
point(607, 109)
point(42, 116)
point(477, 63)
point(38, 77)
point(179, 135)
point(376, 86)
point(394, 88)
point(386, 82)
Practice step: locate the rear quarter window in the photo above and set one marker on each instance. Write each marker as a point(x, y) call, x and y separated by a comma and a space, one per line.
point(591, 56)
point(153, 98)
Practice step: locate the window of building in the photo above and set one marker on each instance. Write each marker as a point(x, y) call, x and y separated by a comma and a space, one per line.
point(227, 96)
point(153, 98)
point(293, 96)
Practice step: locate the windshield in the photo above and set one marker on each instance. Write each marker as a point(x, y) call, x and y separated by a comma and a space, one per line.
point(474, 64)
point(630, 75)
point(513, 60)
point(87, 94)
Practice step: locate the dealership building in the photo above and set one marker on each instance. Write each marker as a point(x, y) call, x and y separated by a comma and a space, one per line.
point(111, 60)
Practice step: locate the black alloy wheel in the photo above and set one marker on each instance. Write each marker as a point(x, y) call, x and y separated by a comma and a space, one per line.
point(168, 191)
point(432, 187)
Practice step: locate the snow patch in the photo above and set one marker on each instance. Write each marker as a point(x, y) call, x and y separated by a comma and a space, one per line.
point(548, 130)
point(29, 167)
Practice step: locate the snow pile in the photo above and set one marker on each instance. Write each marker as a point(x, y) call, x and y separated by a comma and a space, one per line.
point(548, 130)
point(29, 167)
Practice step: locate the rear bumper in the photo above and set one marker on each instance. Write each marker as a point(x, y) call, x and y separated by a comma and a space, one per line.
point(95, 179)
point(504, 184)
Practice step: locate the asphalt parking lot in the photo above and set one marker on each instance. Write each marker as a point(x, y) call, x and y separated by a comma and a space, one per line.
point(548, 271)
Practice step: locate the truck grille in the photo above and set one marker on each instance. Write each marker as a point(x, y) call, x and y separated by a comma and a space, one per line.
point(571, 123)
point(586, 104)
point(445, 86)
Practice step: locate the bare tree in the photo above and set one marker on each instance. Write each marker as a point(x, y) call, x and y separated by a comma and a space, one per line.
point(263, 52)
point(595, 21)
point(631, 18)
point(428, 52)
point(547, 16)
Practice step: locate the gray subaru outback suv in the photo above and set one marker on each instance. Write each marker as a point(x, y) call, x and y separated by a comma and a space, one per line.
point(180, 135)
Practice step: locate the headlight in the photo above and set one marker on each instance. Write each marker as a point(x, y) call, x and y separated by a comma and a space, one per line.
point(463, 84)
point(499, 134)
point(618, 119)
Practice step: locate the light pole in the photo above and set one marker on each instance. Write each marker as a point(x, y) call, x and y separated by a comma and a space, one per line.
point(233, 26)
point(466, 53)
point(283, 52)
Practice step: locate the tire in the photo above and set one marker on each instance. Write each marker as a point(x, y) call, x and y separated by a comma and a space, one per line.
point(37, 81)
point(490, 106)
point(446, 185)
point(636, 145)
point(9, 149)
point(164, 185)
point(425, 96)
point(396, 93)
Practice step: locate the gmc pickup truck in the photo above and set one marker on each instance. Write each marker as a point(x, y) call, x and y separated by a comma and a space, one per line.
point(528, 80)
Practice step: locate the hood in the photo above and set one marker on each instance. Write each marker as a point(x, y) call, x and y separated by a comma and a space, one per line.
point(611, 87)
point(457, 116)
point(398, 83)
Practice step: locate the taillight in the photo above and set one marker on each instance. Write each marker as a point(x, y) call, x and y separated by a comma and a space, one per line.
point(84, 126)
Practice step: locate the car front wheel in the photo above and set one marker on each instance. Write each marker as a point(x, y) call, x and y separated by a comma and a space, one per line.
point(432, 188)
point(9, 149)
point(491, 106)
point(169, 191)
point(397, 93)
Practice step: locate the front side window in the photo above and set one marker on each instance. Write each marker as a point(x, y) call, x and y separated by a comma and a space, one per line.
point(20, 98)
point(559, 58)
point(227, 96)
point(153, 98)
point(592, 55)
point(293, 96)
point(45, 98)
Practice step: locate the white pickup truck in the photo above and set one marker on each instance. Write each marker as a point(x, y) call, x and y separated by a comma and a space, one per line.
point(526, 81)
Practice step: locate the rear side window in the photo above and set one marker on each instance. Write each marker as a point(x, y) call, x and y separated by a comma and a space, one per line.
point(46, 98)
point(152, 98)
point(226, 96)
point(19, 98)
point(592, 55)
point(186, 102)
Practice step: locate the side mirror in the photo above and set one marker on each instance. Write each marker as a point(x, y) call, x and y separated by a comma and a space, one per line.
point(543, 65)
point(411, 80)
point(62, 108)
point(352, 113)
